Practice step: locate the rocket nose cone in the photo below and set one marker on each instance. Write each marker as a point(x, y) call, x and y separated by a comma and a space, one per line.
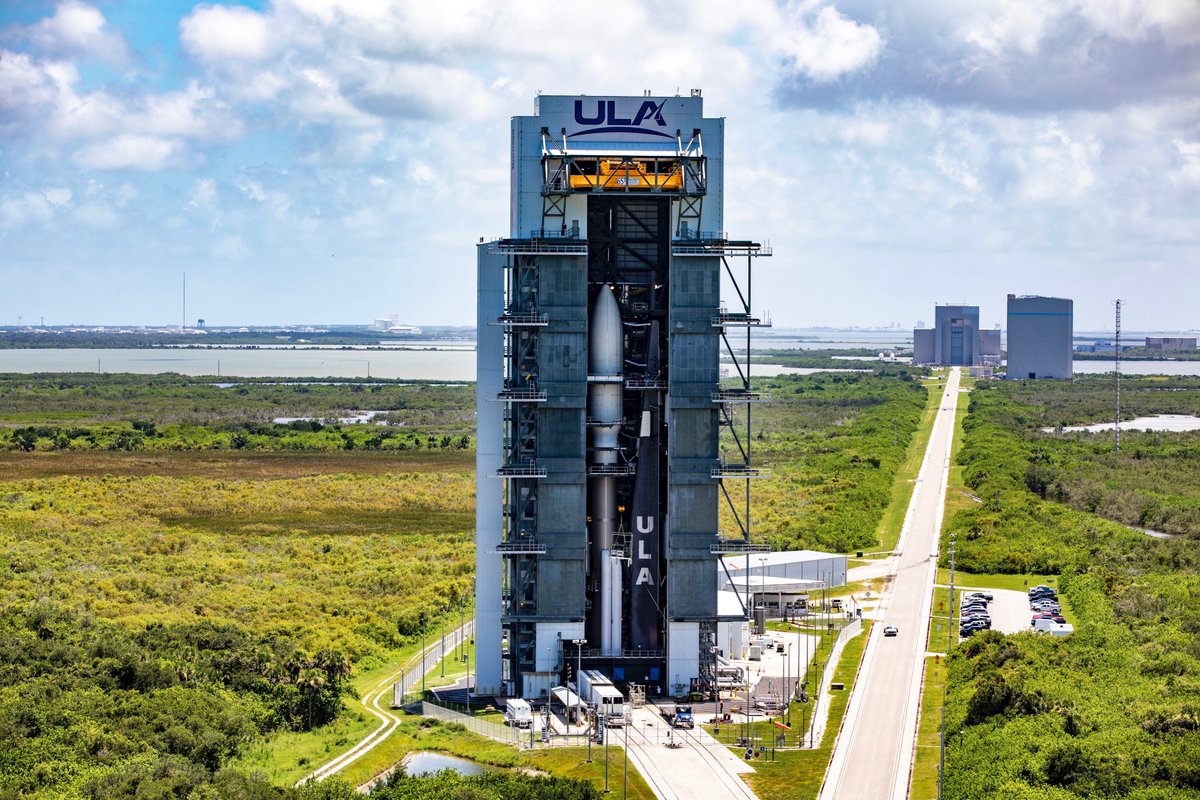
point(605, 341)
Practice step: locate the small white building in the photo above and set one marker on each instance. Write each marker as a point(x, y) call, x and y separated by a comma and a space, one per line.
point(780, 582)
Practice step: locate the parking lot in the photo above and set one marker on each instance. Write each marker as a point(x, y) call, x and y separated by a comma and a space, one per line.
point(1009, 609)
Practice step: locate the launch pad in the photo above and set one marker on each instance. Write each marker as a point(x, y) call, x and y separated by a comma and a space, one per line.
point(600, 402)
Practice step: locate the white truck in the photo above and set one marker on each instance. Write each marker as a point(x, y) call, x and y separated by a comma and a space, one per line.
point(518, 713)
point(598, 691)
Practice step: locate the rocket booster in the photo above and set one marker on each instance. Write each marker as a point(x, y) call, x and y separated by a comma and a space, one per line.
point(606, 383)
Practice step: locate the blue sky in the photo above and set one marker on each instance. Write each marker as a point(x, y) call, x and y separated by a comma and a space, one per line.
point(334, 160)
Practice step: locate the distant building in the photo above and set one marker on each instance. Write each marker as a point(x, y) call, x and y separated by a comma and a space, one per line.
point(391, 324)
point(1040, 332)
point(923, 345)
point(1170, 343)
point(956, 339)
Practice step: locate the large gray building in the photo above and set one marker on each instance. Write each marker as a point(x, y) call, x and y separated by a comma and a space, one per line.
point(599, 400)
point(1040, 335)
point(953, 341)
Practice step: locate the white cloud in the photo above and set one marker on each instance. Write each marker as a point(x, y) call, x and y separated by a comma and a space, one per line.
point(77, 29)
point(1177, 21)
point(421, 173)
point(1189, 157)
point(204, 195)
point(58, 196)
point(822, 44)
point(144, 153)
point(1057, 167)
point(277, 201)
point(99, 216)
point(30, 208)
point(997, 27)
point(216, 33)
point(234, 248)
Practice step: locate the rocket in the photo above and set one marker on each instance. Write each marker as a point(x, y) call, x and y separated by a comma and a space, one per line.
point(605, 401)
point(645, 577)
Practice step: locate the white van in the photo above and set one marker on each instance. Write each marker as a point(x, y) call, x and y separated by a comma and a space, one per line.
point(1043, 625)
point(517, 713)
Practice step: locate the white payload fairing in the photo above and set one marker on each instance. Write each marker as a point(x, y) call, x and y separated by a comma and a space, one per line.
point(606, 382)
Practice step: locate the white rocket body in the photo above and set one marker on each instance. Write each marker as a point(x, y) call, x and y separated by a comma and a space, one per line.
point(606, 383)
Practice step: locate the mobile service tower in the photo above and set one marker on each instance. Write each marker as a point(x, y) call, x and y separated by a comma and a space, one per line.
point(600, 404)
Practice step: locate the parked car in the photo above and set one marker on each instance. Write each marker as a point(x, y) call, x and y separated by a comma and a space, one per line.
point(974, 624)
point(981, 595)
point(1050, 616)
point(1045, 605)
point(976, 615)
point(1038, 591)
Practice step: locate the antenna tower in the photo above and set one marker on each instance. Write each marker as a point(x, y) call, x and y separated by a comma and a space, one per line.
point(1117, 418)
point(183, 322)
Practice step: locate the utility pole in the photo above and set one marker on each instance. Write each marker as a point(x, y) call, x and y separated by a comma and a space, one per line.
point(1117, 365)
point(443, 612)
point(942, 756)
point(950, 644)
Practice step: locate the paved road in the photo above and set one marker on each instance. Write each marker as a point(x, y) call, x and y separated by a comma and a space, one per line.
point(872, 757)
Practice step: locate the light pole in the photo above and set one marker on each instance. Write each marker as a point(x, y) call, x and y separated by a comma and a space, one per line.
point(443, 610)
point(762, 571)
point(787, 687)
point(625, 773)
point(604, 735)
point(579, 643)
point(422, 655)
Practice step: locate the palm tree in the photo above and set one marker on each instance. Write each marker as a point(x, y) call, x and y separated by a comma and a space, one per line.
point(310, 681)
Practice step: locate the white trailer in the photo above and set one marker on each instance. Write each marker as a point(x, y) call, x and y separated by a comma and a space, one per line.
point(598, 692)
point(609, 702)
point(518, 713)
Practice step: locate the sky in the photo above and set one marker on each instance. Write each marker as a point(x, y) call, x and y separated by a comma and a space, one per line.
point(332, 161)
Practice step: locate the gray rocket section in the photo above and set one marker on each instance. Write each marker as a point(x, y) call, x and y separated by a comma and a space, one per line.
point(606, 383)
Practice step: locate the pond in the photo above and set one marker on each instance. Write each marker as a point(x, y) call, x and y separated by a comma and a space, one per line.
point(1173, 423)
point(427, 763)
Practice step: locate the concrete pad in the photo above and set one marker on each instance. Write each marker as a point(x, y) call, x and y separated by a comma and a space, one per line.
point(679, 763)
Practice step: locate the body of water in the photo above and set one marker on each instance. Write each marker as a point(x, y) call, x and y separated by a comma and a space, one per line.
point(1129, 367)
point(449, 360)
point(432, 365)
point(1171, 423)
point(771, 370)
point(427, 763)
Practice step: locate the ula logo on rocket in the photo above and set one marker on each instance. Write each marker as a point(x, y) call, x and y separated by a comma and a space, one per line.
point(644, 525)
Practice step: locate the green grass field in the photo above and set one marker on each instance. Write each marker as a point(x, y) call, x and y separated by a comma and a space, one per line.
point(890, 524)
